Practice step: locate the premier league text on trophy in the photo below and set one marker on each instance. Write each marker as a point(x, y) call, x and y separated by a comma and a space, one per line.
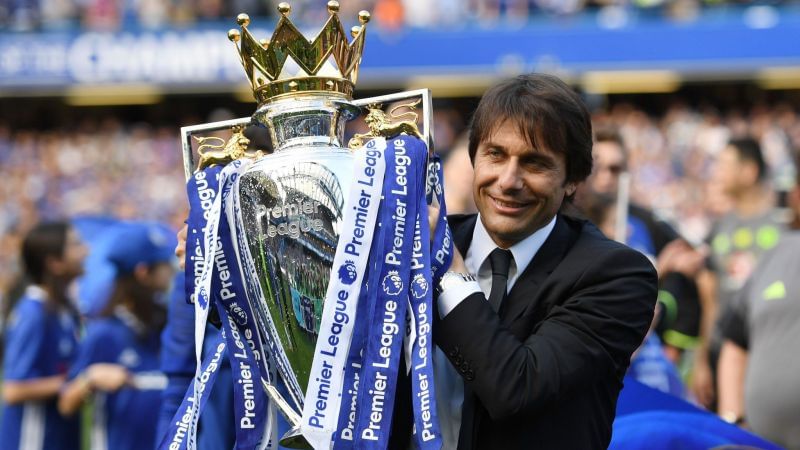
point(354, 248)
point(296, 215)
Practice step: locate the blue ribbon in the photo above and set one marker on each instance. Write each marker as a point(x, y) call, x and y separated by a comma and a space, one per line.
point(249, 398)
point(442, 245)
point(346, 431)
point(402, 189)
point(423, 394)
point(202, 189)
point(227, 292)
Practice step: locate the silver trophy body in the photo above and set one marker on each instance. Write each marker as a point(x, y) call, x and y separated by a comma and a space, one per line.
point(291, 202)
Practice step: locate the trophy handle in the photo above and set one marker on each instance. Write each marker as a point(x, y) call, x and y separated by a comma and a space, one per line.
point(189, 162)
point(427, 109)
point(293, 438)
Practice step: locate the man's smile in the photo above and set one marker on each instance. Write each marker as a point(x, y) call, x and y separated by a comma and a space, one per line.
point(508, 206)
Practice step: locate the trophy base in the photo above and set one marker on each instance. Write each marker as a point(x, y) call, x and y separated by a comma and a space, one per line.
point(293, 439)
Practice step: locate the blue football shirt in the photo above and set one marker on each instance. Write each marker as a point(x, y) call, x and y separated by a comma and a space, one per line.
point(40, 341)
point(125, 419)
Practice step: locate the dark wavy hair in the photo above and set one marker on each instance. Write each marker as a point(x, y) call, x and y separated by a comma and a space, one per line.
point(549, 114)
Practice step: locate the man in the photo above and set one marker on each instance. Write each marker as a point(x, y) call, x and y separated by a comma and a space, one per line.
point(759, 381)
point(677, 262)
point(542, 360)
point(737, 241)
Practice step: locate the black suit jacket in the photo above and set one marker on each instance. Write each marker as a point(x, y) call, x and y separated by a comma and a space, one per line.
point(546, 370)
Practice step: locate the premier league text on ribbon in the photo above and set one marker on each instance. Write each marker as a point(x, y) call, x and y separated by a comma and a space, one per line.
point(229, 297)
point(189, 415)
point(390, 327)
point(423, 334)
point(356, 245)
point(204, 196)
point(365, 199)
point(402, 161)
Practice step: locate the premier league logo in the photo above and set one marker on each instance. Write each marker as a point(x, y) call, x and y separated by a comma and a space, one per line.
point(392, 283)
point(419, 286)
point(347, 272)
point(203, 297)
point(238, 314)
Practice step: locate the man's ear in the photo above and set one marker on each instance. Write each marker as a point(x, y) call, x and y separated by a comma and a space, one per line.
point(570, 188)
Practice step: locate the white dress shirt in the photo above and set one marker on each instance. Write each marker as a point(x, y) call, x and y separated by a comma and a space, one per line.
point(449, 386)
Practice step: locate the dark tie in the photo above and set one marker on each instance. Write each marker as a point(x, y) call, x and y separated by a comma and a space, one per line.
point(501, 261)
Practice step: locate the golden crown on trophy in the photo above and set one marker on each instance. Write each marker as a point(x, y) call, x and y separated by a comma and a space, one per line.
point(289, 64)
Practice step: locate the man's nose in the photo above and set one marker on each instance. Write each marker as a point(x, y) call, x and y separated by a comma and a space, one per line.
point(510, 176)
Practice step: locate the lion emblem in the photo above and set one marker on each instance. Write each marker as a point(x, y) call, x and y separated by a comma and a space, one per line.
point(215, 151)
point(387, 125)
point(347, 272)
point(392, 283)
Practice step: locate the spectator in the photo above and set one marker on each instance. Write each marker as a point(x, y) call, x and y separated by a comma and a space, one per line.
point(41, 342)
point(117, 365)
point(677, 262)
point(737, 242)
point(758, 382)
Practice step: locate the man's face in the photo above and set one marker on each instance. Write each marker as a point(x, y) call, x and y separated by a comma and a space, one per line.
point(517, 188)
point(609, 162)
point(731, 173)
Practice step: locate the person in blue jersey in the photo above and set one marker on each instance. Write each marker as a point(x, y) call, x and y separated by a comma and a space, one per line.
point(41, 342)
point(216, 425)
point(117, 366)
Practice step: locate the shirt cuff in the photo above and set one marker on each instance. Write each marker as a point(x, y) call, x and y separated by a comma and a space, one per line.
point(452, 296)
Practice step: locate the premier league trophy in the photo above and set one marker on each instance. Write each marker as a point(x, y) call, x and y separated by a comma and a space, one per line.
point(290, 203)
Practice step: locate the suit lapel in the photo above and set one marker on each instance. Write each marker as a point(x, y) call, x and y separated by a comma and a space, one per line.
point(523, 294)
point(525, 291)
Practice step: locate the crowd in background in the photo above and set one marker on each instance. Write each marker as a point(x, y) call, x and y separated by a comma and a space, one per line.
point(97, 168)
point(132, 170)
point(391, 14)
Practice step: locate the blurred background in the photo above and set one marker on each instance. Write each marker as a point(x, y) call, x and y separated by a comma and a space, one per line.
point(93, 92)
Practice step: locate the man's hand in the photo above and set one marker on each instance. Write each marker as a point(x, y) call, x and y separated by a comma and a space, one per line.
point(679, 256)
point(180, 249)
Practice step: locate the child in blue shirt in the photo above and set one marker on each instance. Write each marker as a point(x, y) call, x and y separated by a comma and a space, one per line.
point(117, 364)
point(41, 342)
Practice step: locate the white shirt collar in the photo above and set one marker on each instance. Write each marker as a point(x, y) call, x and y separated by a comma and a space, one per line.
point(523, 252)
point(35, 292)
